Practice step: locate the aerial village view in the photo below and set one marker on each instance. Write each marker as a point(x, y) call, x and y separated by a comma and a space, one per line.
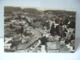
point(32, 30)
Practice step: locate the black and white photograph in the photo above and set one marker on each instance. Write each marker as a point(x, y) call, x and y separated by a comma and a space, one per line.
point(34, 30)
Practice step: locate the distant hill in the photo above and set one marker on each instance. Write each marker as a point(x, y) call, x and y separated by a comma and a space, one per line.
point(31, 10)
point(9, 9)
point(59, 12)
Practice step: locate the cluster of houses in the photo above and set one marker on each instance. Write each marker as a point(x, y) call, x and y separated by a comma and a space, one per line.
point(46, 31)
